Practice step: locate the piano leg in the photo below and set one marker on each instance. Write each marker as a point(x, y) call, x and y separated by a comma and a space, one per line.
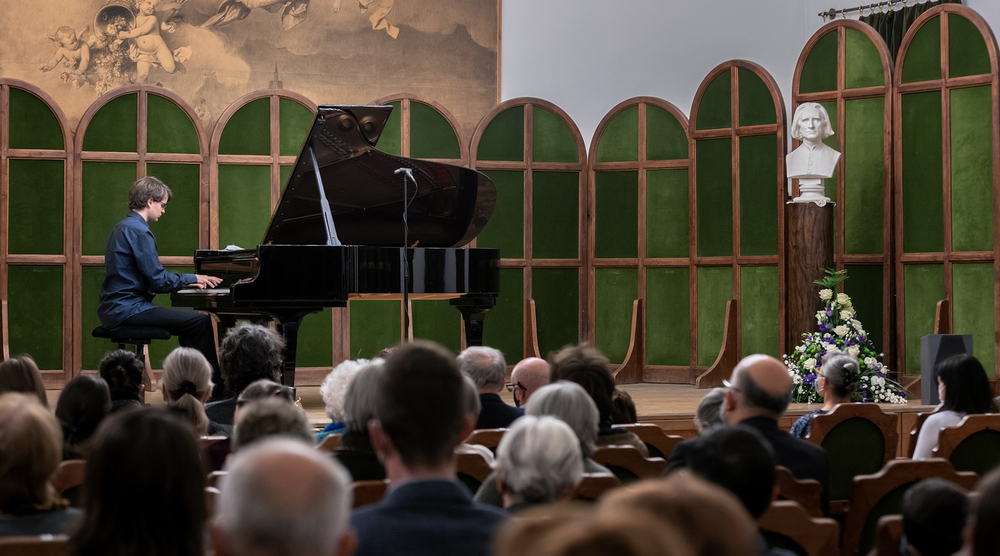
point(473, 313)
point(288, 327)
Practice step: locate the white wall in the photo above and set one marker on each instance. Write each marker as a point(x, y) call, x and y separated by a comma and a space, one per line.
point(586, 56)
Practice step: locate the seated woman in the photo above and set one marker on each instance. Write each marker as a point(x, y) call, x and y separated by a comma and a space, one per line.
point(30, 451)
point(709, 412)
point(836, 384)
point(187, 385)
point(964, 389)
point(20, 374)
point(538, 462)
point(122, 370)
point(83, 404)
point(355, 451)
point(333, 390)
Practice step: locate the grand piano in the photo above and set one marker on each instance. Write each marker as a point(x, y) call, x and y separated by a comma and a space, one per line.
point(354, 223)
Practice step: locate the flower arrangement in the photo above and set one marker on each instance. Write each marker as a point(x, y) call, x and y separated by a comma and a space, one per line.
point(840, 332)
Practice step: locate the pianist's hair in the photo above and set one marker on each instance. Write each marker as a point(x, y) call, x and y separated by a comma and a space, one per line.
point(147, 188)
point(249, 353)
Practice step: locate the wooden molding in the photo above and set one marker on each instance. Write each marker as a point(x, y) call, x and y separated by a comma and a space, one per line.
point(630, 371)
point(729, 355)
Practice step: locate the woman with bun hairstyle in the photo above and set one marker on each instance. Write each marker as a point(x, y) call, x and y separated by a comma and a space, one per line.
point(122, 370)
point(964, 390)
point(82, 405)
point(187, 385)
point(836, 384)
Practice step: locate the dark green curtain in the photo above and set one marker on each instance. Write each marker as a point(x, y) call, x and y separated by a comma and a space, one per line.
point(892, 25)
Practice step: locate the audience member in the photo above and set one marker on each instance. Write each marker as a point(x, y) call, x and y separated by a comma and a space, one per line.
point(964, 390)
point(333, 390)
point(30, 451)
point(21, 374)
point(248, 353)
point(282, 498)
point(538, 461)
point(837, 382)
point(623, 410)
point(588, 367)
point(934, 514)
point(420, 418)
point(472, 409)
point(144, 490)
point(123, 372)
point(270, 417)
point(187, 385)
point(982, 536)
point(709, 412)
point(487, 369)
point(83, 404)
point(355, 451)
point(528, 376)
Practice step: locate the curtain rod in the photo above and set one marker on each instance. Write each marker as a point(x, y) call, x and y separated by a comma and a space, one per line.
point(879, 6)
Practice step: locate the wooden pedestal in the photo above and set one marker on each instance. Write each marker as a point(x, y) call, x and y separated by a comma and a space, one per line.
point(809, 251)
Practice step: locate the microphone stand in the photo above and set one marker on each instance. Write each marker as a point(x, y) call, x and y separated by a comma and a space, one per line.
point(404, 276)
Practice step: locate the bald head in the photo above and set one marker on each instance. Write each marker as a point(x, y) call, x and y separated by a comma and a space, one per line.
point(761, 386)
point(531, 374)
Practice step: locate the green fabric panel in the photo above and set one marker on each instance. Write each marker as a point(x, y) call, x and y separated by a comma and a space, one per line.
point(505, 230)
point(35, 207)
point(863, 65)
point(830, 184)
point(756, 102)
point(715, 288)
point(715, 197)
point(114, 128)
point(556, 215)
point(503, 138)
point(759, 195)
point(980, 452)
point(714, 111)
point(617, 214)
point(923, 287)
point(285, 172)
point(620, 140)
point(177, 230)
point(315, 342)
point(553, 140)
point(391, 140)
point(972, 168)
point(864, 175)
point(616, 290)
point(440, 321)
point(854, 447)
point(503, 328)
point(973, 310)
point(967, 54)
point(759, 314)
point(93, 348)
point(865, 289)
point(431, 136)
point(35, 295)
point(923, 57)
point(169, 129)
point(248, 131)
point(891, 503)
point(375, 325)
point(244, 204)
point(667, 213)
point(665, 136)
point(294, 122)
point(32, 123)
point(668, 316)
point(923, 213)
point(105, 201)
point(159, 350)
point(819, 72)
point(557, 308)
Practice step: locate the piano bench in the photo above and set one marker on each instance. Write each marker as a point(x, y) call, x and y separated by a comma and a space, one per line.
point(138, 337)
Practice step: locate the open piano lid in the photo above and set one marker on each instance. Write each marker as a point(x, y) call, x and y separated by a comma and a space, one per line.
point(449, 207)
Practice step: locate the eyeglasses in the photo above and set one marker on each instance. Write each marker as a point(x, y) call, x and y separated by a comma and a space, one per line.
point(515, 385)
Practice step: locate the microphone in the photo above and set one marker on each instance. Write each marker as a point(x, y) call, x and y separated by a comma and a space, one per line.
point(407, 171)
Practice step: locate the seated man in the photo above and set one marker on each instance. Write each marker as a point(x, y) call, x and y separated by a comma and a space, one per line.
point(982, 537)
point(527, 376)
point(248, 353)
point(538, 462)
point(269, 417)
point(934, 513)
point(420, 416)
point(487, 369)
point(133, 275)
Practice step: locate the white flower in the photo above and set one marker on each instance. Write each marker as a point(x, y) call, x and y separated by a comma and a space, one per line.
point(843, 298)
point(857, 326)
point(854, 351)
point(840, 330)
point(820, 315)
point(809, 364)
point(826, 294)
point(846, 315)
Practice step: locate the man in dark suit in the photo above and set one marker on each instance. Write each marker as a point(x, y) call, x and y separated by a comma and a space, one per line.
point(420, 417)
point(487, 369)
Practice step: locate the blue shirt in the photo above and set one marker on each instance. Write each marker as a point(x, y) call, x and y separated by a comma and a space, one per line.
point(133, 272)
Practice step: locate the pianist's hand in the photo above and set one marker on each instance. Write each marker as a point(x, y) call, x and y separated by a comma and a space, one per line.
point(206, 281)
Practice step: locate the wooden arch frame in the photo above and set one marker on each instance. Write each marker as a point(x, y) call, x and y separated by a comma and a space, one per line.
point(405, 99)
point(634, 367)
point(66, 260)
point(527, 165)
point(945, 84)
point(736, 261)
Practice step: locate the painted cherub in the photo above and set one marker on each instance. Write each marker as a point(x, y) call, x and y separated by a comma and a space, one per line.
point(73, 52)
point(150, 49)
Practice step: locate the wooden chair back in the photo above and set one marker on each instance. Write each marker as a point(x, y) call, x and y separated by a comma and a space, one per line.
point(657, 442)
point(369, 492)
point(69, 474)
point(888, 536)
point(472, 469)
point(858, 438)
point(594, 485)
point(786, 524)
point(628, 464)
point(807, 492)
point(211, 501)
point(207, 441)
point(330, 443)
point(972, 445)
point(873, 496)
point(214, 478)
point(486, 437)
point(915, 433)
point(43, 545)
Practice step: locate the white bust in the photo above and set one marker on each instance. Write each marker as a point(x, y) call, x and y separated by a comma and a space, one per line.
point(812, 159)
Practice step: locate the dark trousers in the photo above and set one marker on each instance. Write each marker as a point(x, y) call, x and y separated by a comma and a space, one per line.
point(193, 329)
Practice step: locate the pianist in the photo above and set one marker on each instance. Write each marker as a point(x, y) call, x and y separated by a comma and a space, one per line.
point(134, 275)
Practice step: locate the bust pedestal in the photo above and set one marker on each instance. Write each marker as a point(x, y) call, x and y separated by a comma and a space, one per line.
point(809, 238)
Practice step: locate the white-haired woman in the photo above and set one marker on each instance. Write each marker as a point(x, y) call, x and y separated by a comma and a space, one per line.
point(538, 461)
point(334, 390)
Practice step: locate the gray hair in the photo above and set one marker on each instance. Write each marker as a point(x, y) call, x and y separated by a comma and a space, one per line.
point(709, 412)
point(473, 405)
point(484, 365)
point(250, 352)
point(539, 458)
point(334, 387)
point(270, 417)
point(361, 396)
point(257, 511)
point(570, 403)
point(842, 372)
